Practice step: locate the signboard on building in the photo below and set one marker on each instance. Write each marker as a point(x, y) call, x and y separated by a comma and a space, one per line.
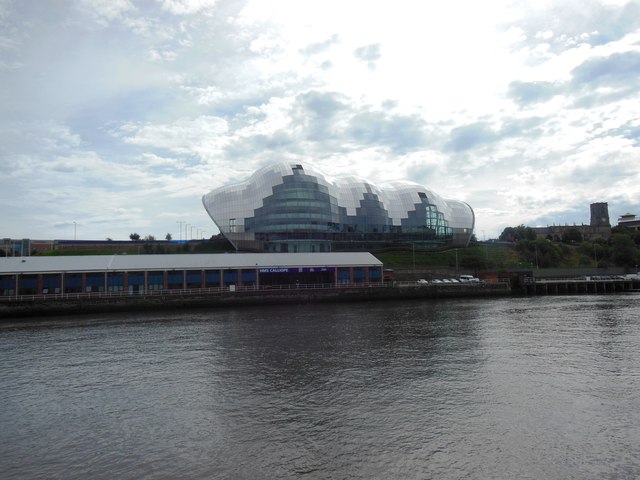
point(297, 270)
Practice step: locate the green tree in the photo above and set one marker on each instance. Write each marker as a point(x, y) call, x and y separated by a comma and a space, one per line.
point(623, 250)
point(516, 234)
point(541, 253)
point(571, 235)
point(134, 237)
point(168, 237)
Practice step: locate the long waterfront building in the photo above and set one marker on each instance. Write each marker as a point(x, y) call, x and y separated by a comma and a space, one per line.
point(142, 273)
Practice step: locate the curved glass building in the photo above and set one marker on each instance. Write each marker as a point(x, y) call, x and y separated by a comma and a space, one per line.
point(293, 207)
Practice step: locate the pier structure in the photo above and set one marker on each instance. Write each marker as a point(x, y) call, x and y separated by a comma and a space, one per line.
point(580, 285)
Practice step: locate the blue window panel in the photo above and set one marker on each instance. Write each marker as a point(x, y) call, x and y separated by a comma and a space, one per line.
point(73, 281)
point(374, 274)
point(7, 282)
point(175, 277)
point(358, 274)
point(115, 280)
point(249, 276)
point(95, 280)
point(28, 282)
point(51, 282)
point(135, 279)
point(230, 276)
point(344, 276)
point(194, 278)
point(212, 278)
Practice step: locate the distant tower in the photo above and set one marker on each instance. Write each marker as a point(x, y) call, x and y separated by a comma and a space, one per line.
point(600, 214)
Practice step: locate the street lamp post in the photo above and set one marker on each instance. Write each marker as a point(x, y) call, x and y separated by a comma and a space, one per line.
point(413, 245)
point(456, 260)
point(180, 222)
point(74, 230)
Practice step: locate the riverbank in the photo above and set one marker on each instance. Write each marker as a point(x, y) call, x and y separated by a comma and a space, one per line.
point(44, 305)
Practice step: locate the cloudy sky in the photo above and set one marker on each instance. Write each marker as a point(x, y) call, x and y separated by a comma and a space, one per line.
point(119, 115)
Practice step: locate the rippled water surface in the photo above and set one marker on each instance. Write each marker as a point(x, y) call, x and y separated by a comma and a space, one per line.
point(545, 387)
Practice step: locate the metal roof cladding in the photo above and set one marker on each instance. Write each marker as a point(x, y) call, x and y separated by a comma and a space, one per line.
point(202, 261)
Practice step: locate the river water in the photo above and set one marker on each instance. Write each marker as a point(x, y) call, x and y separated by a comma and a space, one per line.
point(528, 388)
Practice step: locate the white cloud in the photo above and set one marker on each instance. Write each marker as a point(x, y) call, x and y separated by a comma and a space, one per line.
point(490, 102)
point(105, 11)
point(187, 7)
point(203, 136)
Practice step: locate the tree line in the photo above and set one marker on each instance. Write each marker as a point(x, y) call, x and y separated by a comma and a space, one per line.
point(621, 249)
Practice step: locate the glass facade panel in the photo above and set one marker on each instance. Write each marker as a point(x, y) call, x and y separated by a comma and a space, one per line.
point(115, 281)
point(375, 275)
point(135, 282)
point(212, 278)
point(52, 283)
point(7, 284)
point(155, 280)
point(194, 279)
point(230, 277)
point(28, 284)
point(284, 204)
point(344, 276)
point(94, 282)
point(175, 279)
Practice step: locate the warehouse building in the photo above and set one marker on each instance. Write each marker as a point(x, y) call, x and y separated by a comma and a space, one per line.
point(143, 273)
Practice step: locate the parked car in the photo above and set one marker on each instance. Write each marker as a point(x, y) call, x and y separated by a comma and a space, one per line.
point(422, 281)
point(469, 279)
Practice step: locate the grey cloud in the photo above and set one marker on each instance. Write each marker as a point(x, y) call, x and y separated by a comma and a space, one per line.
point(328, 120)
point(319, 47)
point(260, 145)
point(595, 99)
point(322, 105)
point(478, 134)
point(317, 110)
point(401, 133)
point(524, 127)
point(470, 136)
point(578, 21)
point(631, 132)
point(619, 68)
point(529, 93)
point(619, 72)
point(368, 53)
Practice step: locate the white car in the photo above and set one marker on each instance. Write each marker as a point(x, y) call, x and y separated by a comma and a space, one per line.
point(469, 279)
point(422, 281)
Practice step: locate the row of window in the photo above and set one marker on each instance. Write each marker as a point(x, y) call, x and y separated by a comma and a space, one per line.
point(115, 281)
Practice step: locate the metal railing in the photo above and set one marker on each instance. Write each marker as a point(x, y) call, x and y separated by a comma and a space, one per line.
point(226, 290)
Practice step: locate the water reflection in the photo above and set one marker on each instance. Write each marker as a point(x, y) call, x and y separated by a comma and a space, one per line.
point(543, 387)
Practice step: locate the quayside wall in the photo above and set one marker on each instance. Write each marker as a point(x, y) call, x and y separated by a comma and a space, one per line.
point(68, 304)
point(575, 286)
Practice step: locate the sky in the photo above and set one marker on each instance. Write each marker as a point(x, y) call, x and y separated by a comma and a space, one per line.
point(116, 116)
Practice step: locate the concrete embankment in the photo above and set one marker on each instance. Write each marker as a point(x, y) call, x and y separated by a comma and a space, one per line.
point(69, 305)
